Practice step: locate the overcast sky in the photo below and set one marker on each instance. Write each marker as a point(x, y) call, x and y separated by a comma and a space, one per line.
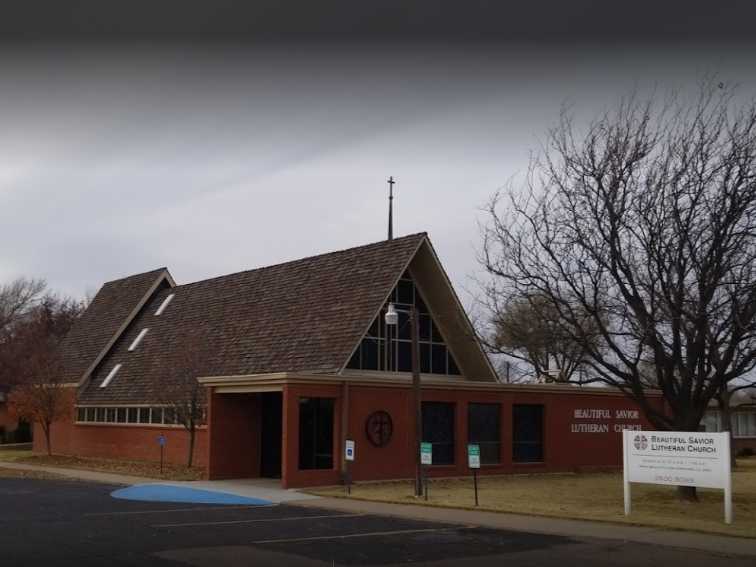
point(214, 159)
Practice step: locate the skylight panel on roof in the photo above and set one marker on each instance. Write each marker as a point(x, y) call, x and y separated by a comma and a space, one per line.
point(138, 339)
point(110, 376)
point(163, 305)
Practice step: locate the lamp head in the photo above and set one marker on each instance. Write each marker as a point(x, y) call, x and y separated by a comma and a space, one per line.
point(392, 317)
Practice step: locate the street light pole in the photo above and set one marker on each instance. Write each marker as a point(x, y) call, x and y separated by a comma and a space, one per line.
point(418, 401)
point(392, 319)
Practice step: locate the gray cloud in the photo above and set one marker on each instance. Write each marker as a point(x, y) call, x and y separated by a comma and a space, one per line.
point(209, 161)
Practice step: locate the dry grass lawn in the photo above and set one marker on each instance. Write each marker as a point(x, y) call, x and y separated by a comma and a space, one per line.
point(583, 496)
point(134, 468)
point(13, 454)
point(12, 473)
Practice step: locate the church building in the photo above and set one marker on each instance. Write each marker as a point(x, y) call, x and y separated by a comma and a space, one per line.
point(296, 359)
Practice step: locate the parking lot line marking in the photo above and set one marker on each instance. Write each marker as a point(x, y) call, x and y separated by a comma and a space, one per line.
point(255, 521)
point(195, 509)
point(366, 534)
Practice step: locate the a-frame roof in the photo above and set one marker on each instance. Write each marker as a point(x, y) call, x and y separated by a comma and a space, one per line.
point(305, 315)
point(105, 319)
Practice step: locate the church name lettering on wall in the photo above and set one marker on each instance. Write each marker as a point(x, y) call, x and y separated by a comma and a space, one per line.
point(604, 420)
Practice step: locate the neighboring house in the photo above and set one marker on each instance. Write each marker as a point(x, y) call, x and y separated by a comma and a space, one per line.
point(743, 419)
point(296, 359)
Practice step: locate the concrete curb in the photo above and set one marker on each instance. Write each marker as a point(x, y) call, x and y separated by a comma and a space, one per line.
point(580, 529)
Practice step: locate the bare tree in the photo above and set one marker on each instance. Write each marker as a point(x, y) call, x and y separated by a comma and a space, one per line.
point(40, 394)
point(17, 298)
point(525, 328)
point(179, 390)
point(646, 222)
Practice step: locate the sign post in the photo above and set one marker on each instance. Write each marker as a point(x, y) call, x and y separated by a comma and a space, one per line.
point(678, 458)
point(348, 458)
point(473, 461)
point(426, 458)
point(161, 442)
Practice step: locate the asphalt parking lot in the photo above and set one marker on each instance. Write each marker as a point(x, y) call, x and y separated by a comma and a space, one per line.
point(45, 522)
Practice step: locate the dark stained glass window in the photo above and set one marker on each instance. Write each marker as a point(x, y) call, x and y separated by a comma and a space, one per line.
point(315, 433)
point(438, 429)
point(527, 433)
point(484, 429)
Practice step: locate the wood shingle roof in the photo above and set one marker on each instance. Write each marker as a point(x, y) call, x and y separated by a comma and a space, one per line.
point(302, 316)
point(103, 319)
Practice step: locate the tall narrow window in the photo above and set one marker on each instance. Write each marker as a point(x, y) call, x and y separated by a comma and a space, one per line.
point(138, 339)
point(484, 429)
point(438, 429)
point(527, 433)
point(163, 305)
point(110, 376)
point(315, 433)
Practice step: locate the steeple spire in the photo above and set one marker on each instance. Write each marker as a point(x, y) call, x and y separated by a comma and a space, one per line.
point(391, 208)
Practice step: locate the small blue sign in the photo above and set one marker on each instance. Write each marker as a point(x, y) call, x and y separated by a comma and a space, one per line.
point(161, 440)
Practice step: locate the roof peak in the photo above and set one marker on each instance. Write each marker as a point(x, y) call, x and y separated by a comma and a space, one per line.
point(394, 242)
point(139, 274)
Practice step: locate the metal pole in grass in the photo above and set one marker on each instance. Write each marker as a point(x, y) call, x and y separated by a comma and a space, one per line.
point(426, 483)
point(473, 461)
point(161, 442)
point(475, 484)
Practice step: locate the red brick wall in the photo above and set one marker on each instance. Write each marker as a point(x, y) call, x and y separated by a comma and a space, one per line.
point(132, 442)
point(234, 432)
point(564, 449)
point(229, 447)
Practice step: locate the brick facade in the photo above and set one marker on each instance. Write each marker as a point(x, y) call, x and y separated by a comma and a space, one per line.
point(235, 433)
point(121, 441)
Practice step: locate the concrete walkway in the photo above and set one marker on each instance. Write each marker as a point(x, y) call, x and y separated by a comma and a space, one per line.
point(270, 490)
point(534, 524)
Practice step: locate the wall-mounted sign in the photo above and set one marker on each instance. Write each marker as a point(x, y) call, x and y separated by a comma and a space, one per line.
point(473, 456)
point(349, 450)
point(426, 453)
point(601, 420)
point(678, 458)
point(379, 428)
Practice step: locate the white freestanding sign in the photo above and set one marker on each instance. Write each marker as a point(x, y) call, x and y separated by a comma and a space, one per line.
point(678, 458)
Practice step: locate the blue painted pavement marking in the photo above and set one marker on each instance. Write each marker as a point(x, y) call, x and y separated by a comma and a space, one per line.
point(171, 493)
